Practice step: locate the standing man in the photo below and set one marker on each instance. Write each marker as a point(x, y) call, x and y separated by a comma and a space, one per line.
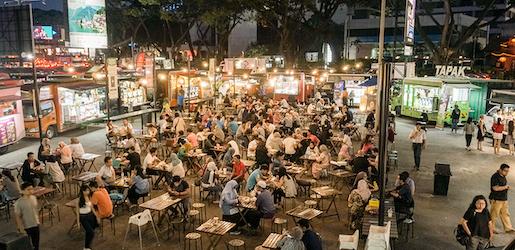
point(418, 138)
point(26, 210)
point(455, 116)
point(499, 197)
point(180, 99)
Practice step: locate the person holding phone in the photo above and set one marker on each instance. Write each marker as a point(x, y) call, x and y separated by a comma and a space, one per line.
point(418, 139)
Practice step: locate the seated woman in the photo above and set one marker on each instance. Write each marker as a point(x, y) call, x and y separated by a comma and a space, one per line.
point(76, 147)
point(357, 201)
point(209, 145)
point(54, 170)
point(139, 185)
point(209, 181)
point(175, 166)
point(284, 186)
point(110, 130)
point(228, 201)
point(344, 154)
point(227, 159)
point(322, 162)
point(11, 189)
point(132, 142)
point(367, 144)
point(312, 151)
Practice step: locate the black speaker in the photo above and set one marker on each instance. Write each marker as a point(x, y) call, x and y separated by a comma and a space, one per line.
point(15, 241)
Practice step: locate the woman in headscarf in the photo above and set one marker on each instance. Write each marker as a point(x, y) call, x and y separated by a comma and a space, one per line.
point(175, 166)
point(322, 162)
point(234, 145)
point(357, 201)
point(209, 182)
point(228, 201)
point(292, 240)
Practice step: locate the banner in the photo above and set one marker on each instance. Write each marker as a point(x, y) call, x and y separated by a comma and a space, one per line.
point(87, 23)
point(409, 27)
point(112, 77)
point(149, 71)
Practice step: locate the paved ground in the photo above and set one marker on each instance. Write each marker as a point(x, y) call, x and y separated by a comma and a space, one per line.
point(435, 216)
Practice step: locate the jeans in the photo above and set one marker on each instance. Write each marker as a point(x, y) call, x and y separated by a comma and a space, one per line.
point(468, 139)
point(454, 124)
point(417, 151)
point(477, 243)
point(89, 222)
point(33, 234)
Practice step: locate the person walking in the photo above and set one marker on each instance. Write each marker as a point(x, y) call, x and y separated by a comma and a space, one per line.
point(455, 118)
point(26, 210)
point(497, 129)
point(418, 139)
point(477, 223)
point(510, 137)
point(86, 216)
point(499, 197)
point(481, 132)
point(469, 129)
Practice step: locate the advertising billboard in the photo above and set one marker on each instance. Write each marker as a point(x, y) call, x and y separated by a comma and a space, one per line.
point(409, 32)
point(87, 23)
point(43, 32)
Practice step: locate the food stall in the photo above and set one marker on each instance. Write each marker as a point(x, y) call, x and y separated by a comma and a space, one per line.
point(11, 119)
point(65, 104)
point(200, 89)
point(132, 93)
point(437, 97)
point(290, 86)
point(353, 83)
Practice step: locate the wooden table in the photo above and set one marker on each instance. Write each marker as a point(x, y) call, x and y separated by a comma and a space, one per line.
point(324, 192)
point(346, 177)
point(160, 204)
point(245, 204)
point(73, 206)
point(219, 151)
point(12, 166)
point(302, 212)
point(120, 183)
point(215, 231)
point(85, 176)
point(41, 191)
point(193, 161)
point(372, 219)
point(272, 240)
point(88, 158)
point(295, 170)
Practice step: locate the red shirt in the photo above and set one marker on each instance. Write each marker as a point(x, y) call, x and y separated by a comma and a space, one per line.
point(238, 169)
point(314, 139)
point(498, 128)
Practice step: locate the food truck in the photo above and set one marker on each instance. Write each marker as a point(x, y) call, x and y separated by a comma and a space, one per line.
point(11, 115)
point(290, 86)
point(437, 97)
point(65, 104)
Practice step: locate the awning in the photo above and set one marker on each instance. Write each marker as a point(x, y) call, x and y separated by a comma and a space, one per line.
point(463, 86)
point(503, 100)
point(10, 98)
point(369, 83)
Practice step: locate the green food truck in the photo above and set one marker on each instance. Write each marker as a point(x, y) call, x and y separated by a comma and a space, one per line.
point(437, 96)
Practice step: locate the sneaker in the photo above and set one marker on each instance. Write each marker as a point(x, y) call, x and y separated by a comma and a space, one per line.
point(408, 221)
point(510, 230)
point(235, 233)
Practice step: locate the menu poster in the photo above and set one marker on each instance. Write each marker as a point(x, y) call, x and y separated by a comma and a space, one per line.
point(7, 131)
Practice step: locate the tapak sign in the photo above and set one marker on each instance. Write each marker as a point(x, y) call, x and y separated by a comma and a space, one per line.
point(456, 71)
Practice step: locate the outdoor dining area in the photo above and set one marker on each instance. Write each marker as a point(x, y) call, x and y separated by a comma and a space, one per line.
point(256, 176)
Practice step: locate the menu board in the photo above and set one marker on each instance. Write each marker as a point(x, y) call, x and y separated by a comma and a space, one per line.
point(7, 131)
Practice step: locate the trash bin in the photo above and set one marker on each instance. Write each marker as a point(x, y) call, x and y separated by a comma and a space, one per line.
point(14, 240)
point(442, 175)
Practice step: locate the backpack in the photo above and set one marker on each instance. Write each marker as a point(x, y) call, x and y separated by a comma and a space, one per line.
point(461, 236)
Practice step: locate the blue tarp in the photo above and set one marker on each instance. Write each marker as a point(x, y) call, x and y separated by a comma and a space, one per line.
point(370, 82)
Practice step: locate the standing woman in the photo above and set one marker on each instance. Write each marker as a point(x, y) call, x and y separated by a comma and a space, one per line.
point(469, 129)
point(477, 224)
point(481, 131)
point(86, 215)
point(510, 137)
point(497, 129)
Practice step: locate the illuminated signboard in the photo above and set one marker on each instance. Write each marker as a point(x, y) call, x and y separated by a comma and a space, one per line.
point(43, 33)
point(87, 21)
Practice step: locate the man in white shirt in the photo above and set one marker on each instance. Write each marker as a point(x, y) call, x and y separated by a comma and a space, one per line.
point(178, 124)
point(251, 150)
point(106, 173)
point(126, 128)
point(290, 144)
point(151, 159)
point(418, 138)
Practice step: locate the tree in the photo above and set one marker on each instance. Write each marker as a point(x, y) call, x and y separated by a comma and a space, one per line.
point(453, 39)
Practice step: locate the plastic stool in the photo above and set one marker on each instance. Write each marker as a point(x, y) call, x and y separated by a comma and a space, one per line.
point(235, 244)
point(279, 224)
point(193, 238)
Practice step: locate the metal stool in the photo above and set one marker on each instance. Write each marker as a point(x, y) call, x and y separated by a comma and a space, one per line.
point(192, 214)
point(310, 203)
point(50, 208)
point(193, 238)
point(279, 224)
point(201, 207)
point(235, 244)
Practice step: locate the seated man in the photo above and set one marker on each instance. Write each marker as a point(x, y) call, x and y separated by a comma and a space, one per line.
point(402, 197)
point(106, 174)
point(260, 174)
point(101, 201)
point(151, 161)
point(264, 204)
point(311, 239)
point(238, 169)
point(28, 166)
point(178, 187)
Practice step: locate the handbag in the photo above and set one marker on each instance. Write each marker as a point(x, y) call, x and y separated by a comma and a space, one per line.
point(461, 236)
